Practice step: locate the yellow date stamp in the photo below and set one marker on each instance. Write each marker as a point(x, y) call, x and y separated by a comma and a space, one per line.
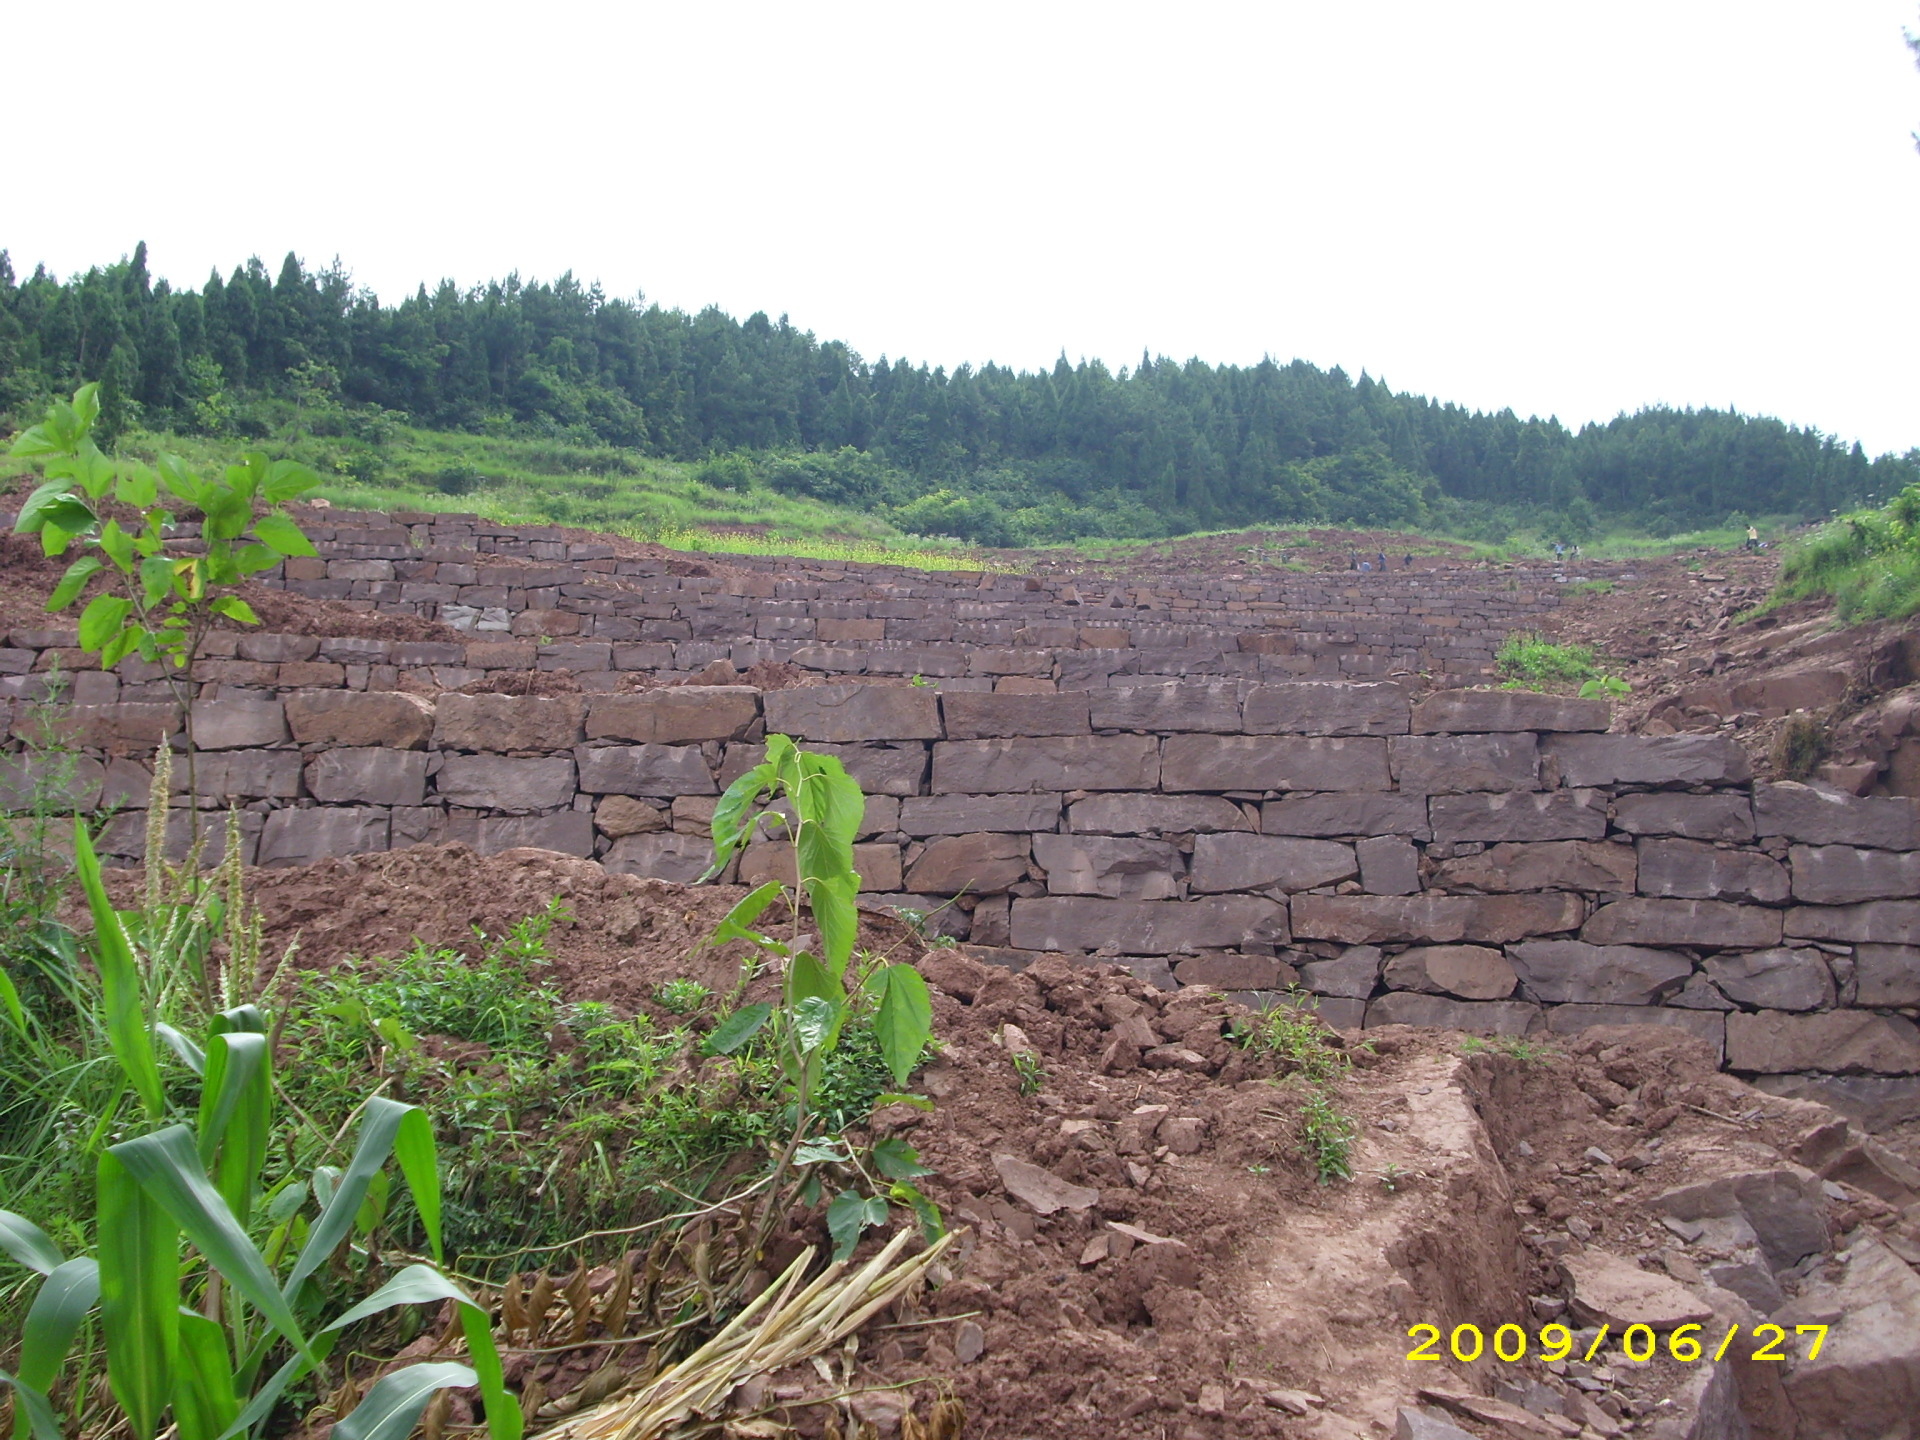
point(1638, 1343)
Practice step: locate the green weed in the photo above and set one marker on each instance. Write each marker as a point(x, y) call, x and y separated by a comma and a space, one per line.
point(1800, 746)
point(1293, 1033)
point(681, 996)
point(1326, 1137)
point(1518, 1047)
point(1533, 660)
point(1026, 1065)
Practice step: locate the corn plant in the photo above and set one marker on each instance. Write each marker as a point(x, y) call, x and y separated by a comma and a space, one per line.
point(209, 1341)
point(820, 806)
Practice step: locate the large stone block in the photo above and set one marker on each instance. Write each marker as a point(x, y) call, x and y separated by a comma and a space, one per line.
point(1707, 1025)
point(1437, 1012)
point(53, 781)
point(1778, 979)
point(1483, 711)
point(1436, 919)
point(355, 717)
point(1233, 971)
point(234, 723)
point(657, 770)
point(1452, 764)
point(1562, 971)
point(1117, 866)
point(847, 713)
point(118, 729)
point(501, 723)
point(1389, 865)
point(369, 775)
point(1147, 927)
point(1843, 875)
point(675, 714)
point(1351, 975)
point(1836, 1041)
point(1468, 972)
point(1257, 862)
point(1824, 817)
point(974, 864)
point(250, 775)
point(1887, 974)
point(1695, 870)
point(125, 837)
point(1697, 817)
point(300, 837)
point(570, 832)
point(1545, 865)
point(1273, 762)
point(1519, 815)
point(1181, 706)
point(663, 856)
point(1873, 922)
point(1065, 762)
point(1155, 815)
point(987, 715)
point(1358, 815)
point(1649, 760)
point(1321, 707)
point(494, 782)
point(1683, 922)
point(970, 814)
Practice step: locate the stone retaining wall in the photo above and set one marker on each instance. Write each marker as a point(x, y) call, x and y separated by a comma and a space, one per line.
point(1487, 860)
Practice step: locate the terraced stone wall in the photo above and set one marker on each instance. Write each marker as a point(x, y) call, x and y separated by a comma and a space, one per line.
point(1487, 860)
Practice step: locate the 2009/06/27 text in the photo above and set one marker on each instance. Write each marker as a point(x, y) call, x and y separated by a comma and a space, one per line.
point(1637, 1343)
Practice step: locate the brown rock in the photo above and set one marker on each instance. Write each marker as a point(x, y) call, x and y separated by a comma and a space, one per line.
point(1619, 1293)
point(1835, 1041)
point(1256, 862)
point(1151, 927)
point(967, 814)
point(1041, 1190)
point(1154, 815)
point(979, 716)
point(238, 723)
point(507, 722)
point(494, 782)
point(1693, 869)
point(1875, 922)
point(620, 815)
point(1821, 817)
point(1185, 707)
point(353, 717)
point(1519, 815)
point(658, 770)
point(1362, 815)
point(1471, 972)
point(368, 776)
point(976, 864)
point(1234, 970)
point(1317, 707)
point(1559, 971)
point(1649, 760)
point(1843, 875)
point(1453, 764)
point(1683, 922)
point(1705, 1025)
point(1545, 865)
point(1442, 919)
point(675, 714)
point(1488, 1017)
point(1698, 817)
point(1273, 762)
point(1484, 711)
point(1067, 762)
point(856, 712)
point(1773, 979)
point(1122, 867)
point(1887, 974)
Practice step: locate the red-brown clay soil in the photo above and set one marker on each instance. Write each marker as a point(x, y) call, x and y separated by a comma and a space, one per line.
point(1147, 1253)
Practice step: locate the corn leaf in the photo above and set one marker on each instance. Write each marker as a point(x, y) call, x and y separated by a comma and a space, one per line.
point(236, 1117)
point(204, 1403)
point(56, 1314)
point(29, 1244)
point(35, 1409)
point(393, 1407)
point(139, 1247)
point(120, 991)
point(419, 1161)
point(167, 1165)
point(378, 1130)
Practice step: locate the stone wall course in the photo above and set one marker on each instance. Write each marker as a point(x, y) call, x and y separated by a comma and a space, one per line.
point(1648, 760)
point(1697, 817)
point(1066, 762)
point(1452, 764)
point(1875, 922)
point(1683, 922)
point(371, 775)
point(674, 715)
point(1835, 1041)
point(847, 713)
point(1587, 865)
point(657, 770)
point(1823, 817)
point(507, 722)
point(1490, 711)
point(991, 715)
point(1276, 762)
point(1518, 816)
point(495, 782)
point(1311, 707)
point(346, 717)
point(1844, 875)
point(1118, 866)
point(1347, 815)
point(1433, 919)
point(1693, 869)
point(1223, 862)
point(1177, 707)
point(1573, 971)
point(1887, 975)
point(1485, 1017)
point(1149, 927)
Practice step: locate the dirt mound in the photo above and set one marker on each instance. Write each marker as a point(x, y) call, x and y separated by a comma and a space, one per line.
point(1148, 1252)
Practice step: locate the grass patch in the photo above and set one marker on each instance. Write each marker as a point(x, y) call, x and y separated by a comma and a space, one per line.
point(1868, 562)
point(1799, 747)
point(1534, 661)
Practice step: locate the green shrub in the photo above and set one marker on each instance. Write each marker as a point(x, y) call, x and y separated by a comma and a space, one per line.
point(1533, 661)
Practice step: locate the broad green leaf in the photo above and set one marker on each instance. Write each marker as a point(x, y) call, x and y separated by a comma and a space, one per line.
point(415, 1285)
point(932, 1223)
point(850, 1215)
point(252, 559)
point(54, 503)
point(118, 545)
point(168, 1168)
point(139, 1247)
point(734, 926)
point(814, 1023)
point(122, 645)
point(918, 1102)
point(281, 534)
point(835, 900)
point(419, 1161)
point(62, 1304)
point(287, 1200)
point(831, 798)
point(236, 1118)
point(393, 1406)
point(504, 1421)
point(94, 472)
point(10, 1006)
point(181, 481)
point(156, 579)
point(235, 608)
point(287, 480)
point(137, 485)
point(737, 1029)
point(191, 1055)
point(903, 1022)
point(102, 619)
point(86, 408)
point(225, 514)
point(120, 989)
point(33, 443)
point(41, 1420)
point(820, 1152)
point(74, 581)
point(807, 976)
point(27, 1243)
point(55, 539)
point(204, 1403)
point(731, 815)
point(897, 1160)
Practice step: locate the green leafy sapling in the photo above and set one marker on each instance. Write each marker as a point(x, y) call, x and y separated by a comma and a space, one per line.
point(153, 594)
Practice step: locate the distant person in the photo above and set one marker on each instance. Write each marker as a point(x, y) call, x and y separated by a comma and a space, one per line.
point(1753, 537)
point(1406, 562)
point(1366, 567)
point(1559, 550)
point(1382, 557)
point(1353, 560)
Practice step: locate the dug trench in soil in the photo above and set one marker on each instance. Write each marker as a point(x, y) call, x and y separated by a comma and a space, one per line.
point(1147, 1252)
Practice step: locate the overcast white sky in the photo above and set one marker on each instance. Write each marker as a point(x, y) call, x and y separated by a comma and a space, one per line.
point(1566, 209)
